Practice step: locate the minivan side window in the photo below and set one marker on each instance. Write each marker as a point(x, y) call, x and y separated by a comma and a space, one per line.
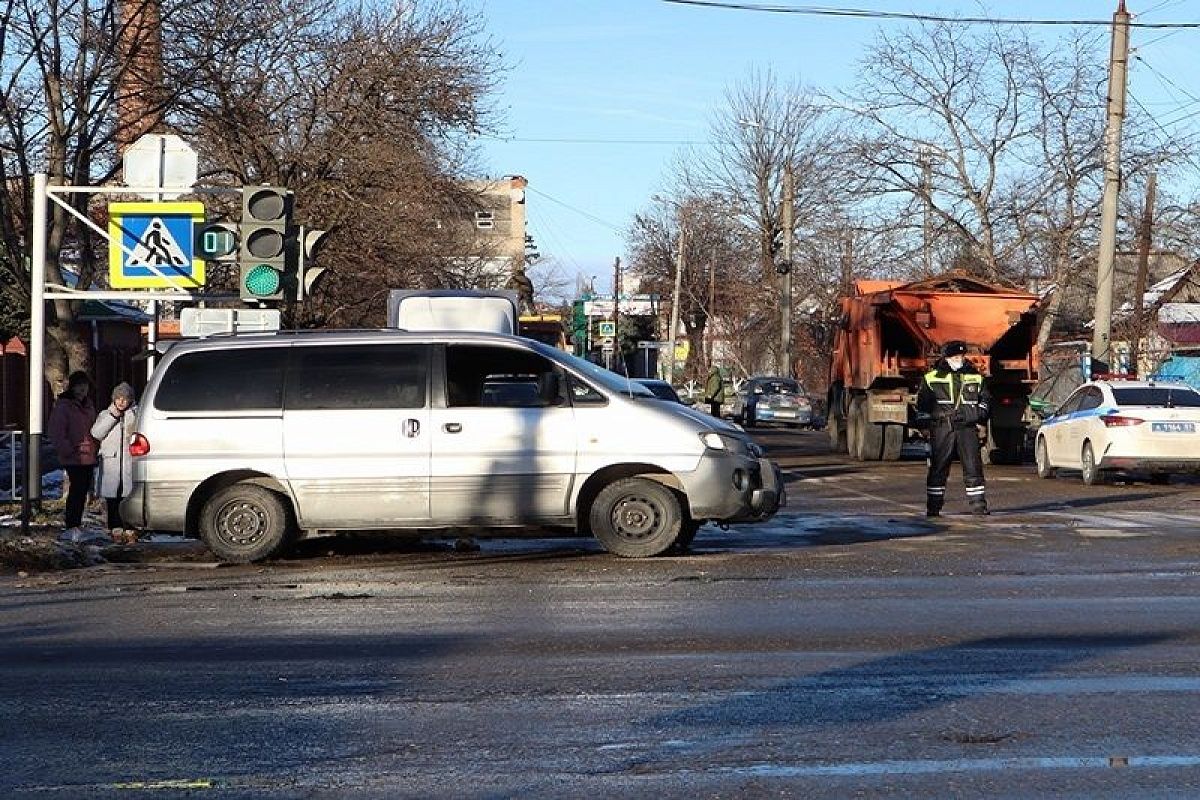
point(237, 379)
point(372, 376)
point(505, 377)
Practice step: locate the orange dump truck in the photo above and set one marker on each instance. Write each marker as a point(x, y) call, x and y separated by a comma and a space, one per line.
point(892, 333)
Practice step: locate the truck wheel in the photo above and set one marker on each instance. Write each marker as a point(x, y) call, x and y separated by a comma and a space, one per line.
point(1005, 445)
point(837, 433)
point(871, 443)
point(866, 438)
point(636, 518)
point(244, 523)
point(893, 442)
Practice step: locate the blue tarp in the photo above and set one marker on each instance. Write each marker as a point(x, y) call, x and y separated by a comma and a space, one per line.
point(1180, 368)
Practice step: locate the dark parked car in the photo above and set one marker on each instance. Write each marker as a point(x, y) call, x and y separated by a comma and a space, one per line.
point(661, 389)
point(772, 400)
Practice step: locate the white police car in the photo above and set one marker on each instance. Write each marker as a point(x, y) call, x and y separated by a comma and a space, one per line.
point(1133, 426)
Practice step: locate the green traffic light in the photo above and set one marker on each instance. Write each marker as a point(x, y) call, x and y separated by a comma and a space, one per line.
point(262, 280)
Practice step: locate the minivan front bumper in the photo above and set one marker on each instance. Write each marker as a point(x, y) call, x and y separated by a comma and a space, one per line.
point(730, 488)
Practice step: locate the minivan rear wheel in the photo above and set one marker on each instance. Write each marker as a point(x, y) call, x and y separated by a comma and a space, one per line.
point(243, 523)
point(636, 518)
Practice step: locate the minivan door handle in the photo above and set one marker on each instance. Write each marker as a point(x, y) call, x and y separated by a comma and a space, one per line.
point(452, 427)
point(411, 428)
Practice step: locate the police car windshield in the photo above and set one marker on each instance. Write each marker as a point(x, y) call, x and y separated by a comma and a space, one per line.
point(1158, 397)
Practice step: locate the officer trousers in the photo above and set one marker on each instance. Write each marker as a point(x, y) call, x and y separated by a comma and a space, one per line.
point(945, 442)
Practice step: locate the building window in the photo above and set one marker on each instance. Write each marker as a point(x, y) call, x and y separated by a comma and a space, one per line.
point(485, 220)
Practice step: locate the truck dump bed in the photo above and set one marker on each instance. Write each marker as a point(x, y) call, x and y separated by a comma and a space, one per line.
point(892, 333)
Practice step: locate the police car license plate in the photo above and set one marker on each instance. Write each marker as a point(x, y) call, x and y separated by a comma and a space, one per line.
point(1173, 427)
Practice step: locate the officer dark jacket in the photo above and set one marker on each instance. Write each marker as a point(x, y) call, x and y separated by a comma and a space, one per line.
point(959, 398)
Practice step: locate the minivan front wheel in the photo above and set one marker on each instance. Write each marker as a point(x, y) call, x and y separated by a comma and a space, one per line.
point(243, 523)
point(636, 518)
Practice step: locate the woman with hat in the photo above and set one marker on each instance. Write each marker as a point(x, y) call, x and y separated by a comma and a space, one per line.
point(114, 426)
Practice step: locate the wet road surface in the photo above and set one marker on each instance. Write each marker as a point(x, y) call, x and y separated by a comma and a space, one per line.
point(849, 648)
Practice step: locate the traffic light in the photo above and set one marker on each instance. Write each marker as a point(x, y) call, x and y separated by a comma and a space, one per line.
point(307, 244)
point(262, 253)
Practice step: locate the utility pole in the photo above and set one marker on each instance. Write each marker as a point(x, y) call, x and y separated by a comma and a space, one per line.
point(679, 265)
point(711, 315)
point(1143, 267)
point(617, 358)
point(785, 294)
point(1118, 63)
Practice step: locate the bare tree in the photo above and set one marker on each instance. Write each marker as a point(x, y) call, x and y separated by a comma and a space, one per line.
point(364, 112)
point(714, 262)
point(65, 63)
point(985, 147)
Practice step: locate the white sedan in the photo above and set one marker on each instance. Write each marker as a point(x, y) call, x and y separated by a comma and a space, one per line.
point(1122, 426)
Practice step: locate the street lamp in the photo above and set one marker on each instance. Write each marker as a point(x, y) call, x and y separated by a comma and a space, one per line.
point(788, 214)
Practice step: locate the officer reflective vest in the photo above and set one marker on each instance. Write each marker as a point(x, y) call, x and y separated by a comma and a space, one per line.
point(953, 389)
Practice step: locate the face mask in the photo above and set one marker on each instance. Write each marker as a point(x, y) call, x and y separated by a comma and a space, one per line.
point(955, 362)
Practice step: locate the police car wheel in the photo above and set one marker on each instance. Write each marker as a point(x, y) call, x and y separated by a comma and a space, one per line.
point(1042, 457)
point(1092, 476)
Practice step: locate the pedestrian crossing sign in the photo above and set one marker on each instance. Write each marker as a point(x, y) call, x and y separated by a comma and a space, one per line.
point(150, 245)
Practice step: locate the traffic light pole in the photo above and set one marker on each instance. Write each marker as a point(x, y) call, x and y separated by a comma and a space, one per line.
point(40, 292)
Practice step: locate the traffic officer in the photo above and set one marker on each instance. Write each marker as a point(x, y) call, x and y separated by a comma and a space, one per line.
point(953, 401)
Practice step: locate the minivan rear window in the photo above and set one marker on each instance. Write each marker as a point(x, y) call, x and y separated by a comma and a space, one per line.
point(237, 379)
point(353, 377)
point(1158, 396)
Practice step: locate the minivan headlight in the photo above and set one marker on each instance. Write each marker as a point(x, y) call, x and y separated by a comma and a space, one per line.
point(734, 444)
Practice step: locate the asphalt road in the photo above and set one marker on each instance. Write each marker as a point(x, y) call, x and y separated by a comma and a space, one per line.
point(849, 648)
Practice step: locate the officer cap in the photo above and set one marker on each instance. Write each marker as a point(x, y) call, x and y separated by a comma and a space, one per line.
point(954, 348)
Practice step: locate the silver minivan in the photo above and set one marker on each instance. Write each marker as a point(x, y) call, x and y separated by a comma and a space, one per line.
point(250, 442)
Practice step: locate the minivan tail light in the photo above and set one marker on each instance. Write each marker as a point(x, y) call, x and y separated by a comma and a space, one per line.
point(1117, 421)
point(139, 445)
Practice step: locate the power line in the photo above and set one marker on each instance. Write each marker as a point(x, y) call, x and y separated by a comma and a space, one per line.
point(578, 211)
point(863, 13)
point(595, 141)
point(1166, 80)
point(1170, 140)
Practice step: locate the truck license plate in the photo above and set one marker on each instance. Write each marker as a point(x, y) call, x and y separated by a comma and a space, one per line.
point(1173, 427)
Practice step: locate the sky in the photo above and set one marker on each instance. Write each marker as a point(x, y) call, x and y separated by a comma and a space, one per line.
point(601, 95)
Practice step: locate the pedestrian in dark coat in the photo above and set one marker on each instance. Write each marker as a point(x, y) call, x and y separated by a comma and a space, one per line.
point(114, 425)
point(954, 403)
point(70, 432)
point(714, 391)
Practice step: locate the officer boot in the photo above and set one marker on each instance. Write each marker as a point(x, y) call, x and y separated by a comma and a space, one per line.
point(933, 503)
point(979, 506)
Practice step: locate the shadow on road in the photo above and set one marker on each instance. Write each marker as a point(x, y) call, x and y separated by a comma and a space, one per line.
point(1090, 502)
point(29, 649)
point(904, 684)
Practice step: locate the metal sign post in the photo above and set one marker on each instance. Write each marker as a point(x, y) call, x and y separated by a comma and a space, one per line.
point(173, 287)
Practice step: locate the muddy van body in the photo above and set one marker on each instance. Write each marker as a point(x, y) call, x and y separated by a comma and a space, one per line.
point(250, 442)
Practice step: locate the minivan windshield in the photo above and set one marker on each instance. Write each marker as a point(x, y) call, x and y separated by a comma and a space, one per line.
point(595, 373)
